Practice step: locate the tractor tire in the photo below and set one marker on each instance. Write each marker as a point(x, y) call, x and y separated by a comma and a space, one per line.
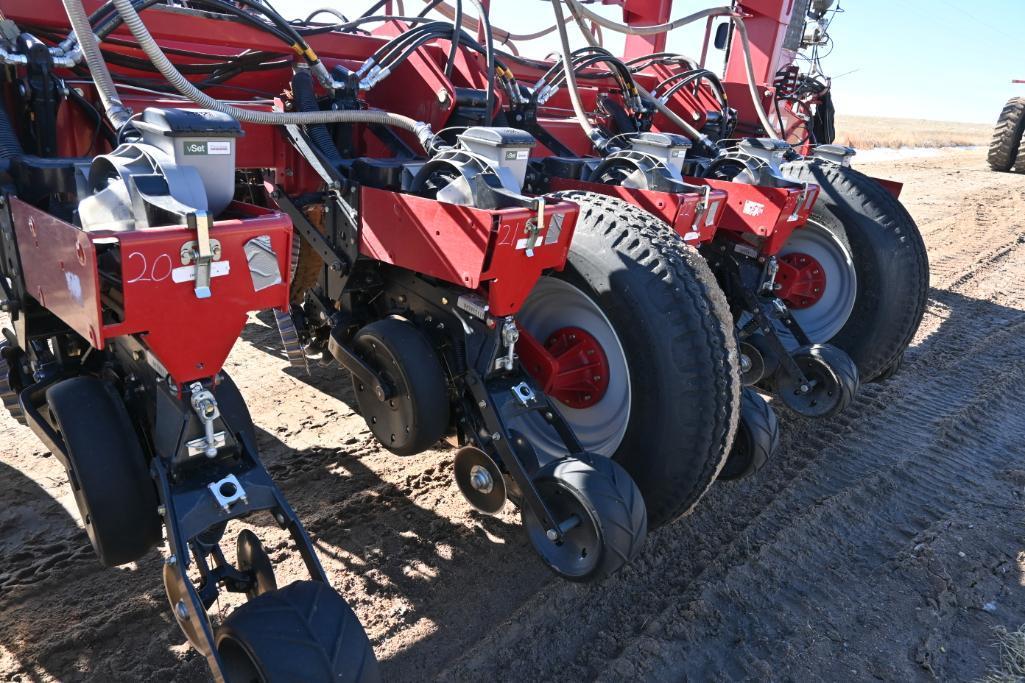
point(302, 632)
point(109, 476)
point(8, 392)
point(891, 370)
point(888, 258)
point(1005, 148)
point(673, 336)
point(757, 438)
point(612, 522)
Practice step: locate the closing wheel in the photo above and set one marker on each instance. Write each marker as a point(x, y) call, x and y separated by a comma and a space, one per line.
point(115, 495)
point(600, 511)
point(651, 308)
point(832, 382)
point(416, 415)
point(891, 267)
point(302, 632)
point(253, 560)
point(757, 438)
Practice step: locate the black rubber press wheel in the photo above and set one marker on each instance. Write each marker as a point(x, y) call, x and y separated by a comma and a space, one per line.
point(602, 511)
point(757, 438)
point(302, 632)
point(115, 495)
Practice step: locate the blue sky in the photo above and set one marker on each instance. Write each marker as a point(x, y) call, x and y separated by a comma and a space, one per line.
point(938, 59)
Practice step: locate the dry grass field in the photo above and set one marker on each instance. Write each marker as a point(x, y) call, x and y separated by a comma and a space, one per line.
point(864, 132)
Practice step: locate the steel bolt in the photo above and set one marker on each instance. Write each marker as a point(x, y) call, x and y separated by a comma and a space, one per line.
point(161, 510)
point(280, 518)
point(482, 404)
point(552, 535)
point(496, 437)
point(181, 610)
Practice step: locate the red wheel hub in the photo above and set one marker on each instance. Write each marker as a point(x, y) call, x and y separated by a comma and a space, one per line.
point(570, 366)
point(800, 280)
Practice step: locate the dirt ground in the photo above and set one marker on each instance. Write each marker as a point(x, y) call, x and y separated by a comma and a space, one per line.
point(888, 543)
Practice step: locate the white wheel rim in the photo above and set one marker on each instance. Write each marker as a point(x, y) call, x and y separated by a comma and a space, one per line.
point(552, 305)
point(826, 317)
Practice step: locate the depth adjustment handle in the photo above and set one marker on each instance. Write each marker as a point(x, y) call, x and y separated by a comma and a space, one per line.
point(201, 222)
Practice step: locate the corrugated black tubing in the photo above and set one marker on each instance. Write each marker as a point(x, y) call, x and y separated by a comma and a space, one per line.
point(305, 100)
point(10, 146)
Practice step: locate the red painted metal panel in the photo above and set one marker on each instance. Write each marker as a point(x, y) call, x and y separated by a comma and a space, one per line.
point(678, 210)
point(767, 212)
point(59, 263)
point(462, 245)
point(512, 271)
point(190, 337)
point(891, 186)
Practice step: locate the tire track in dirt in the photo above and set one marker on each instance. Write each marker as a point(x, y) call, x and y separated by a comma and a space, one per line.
point(841, 556)
point(965, 364)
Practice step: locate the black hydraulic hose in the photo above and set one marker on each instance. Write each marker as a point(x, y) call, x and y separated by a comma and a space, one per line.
point(306, 100)
point(416, 37)
point(684, 80)
point(10, 146)
point(431, 5)
point(457, 28)
point(489, 45)
point(279, 28)
point(112, 23)
point(100, 128)
point(376, 6)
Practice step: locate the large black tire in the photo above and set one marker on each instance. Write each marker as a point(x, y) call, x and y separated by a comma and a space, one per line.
point(8, 392)
point(403, 355)
point(1006, 143)
point(757, 438)
point(115, 495)
point(677, 334)
point(302, 632)
point(890, 262)
point(613, 523)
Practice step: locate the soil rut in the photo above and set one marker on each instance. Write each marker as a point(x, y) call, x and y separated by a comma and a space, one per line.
point(883, 544)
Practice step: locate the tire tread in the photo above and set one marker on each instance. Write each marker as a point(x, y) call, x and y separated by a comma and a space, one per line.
point(692, 320)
